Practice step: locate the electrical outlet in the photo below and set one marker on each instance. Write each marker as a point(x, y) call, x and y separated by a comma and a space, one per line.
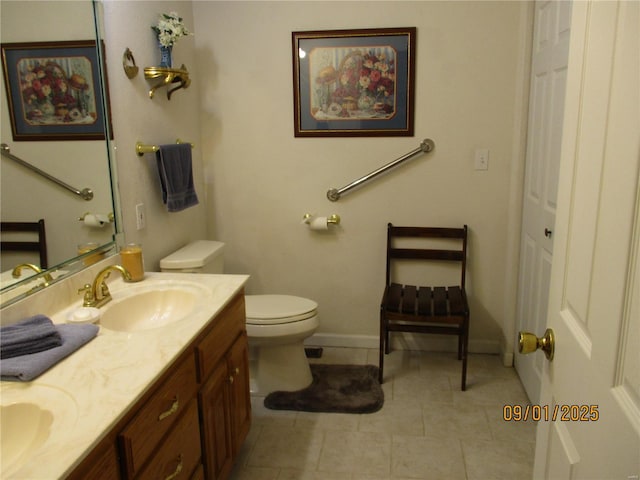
point(482, 159)
point(140, 216)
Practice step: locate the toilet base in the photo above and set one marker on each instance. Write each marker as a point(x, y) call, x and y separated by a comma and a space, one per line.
point(278, 367)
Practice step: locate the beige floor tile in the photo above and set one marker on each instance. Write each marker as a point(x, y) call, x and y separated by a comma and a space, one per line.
point(427, 428)
point(491, 391)
point(427, 458)
point(394, 418)
point(327, 421)
point(286, 447)
point(292, 474)
point(522, 431)
point(422, 387)
point(356, 452)
point(455, 421)
point(254, 473)
point(498, 460)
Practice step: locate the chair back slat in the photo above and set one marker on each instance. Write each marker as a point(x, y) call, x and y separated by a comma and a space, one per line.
point(425, 254)
point(427, 232)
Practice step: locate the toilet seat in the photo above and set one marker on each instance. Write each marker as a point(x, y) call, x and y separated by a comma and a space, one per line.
point(278, 309)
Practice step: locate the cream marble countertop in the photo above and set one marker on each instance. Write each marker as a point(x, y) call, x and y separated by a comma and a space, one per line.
point(89, 391)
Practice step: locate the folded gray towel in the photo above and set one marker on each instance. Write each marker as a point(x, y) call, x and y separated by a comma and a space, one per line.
point(28, 367)
point(31, 335)
point(176, 176)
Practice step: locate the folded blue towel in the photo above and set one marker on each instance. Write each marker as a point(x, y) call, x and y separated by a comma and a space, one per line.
point(176, 176)
point(31, 335)
point(28, 367)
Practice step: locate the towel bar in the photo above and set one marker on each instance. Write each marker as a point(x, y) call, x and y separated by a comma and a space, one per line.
point(141, 148)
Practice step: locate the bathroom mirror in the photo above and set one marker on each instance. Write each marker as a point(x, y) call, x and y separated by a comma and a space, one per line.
point(72, 224)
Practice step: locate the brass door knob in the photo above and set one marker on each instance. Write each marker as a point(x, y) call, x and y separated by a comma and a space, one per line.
point(528, 343)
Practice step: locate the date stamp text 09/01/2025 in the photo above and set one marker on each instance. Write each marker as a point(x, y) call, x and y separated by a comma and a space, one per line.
point(564, 413)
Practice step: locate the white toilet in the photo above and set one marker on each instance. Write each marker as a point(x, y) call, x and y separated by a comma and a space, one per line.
point(277, 325)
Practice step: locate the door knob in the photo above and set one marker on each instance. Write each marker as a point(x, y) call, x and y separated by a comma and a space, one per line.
point(528, 343)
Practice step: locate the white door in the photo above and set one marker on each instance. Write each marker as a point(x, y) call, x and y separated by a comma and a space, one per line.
point(549, 59)
point(592, 386)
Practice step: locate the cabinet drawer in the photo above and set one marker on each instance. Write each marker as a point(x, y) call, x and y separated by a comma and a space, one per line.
point(179, 454)
point(141, 436)
point(228, 324)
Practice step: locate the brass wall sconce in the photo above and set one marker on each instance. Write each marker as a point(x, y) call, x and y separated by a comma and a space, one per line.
point(129, 70)
point(167, 77)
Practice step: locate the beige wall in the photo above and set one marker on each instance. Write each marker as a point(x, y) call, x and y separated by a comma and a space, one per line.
point(155, 121)
point(256, 180)
point(260, 180)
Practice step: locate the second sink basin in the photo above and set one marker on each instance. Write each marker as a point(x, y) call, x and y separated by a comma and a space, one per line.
point(152, 305)
point(28, 416)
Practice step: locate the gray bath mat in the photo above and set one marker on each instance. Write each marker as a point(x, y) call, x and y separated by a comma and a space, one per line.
point(335, 389)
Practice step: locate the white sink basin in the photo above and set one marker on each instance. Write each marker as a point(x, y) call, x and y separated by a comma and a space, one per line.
point(152, 305)
point(25, 425)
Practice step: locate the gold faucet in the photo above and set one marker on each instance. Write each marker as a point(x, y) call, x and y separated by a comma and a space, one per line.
point(97, 294)
point(17, 271)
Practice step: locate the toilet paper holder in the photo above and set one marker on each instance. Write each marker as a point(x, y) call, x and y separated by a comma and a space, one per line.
point(102, 219)
point(333, 219)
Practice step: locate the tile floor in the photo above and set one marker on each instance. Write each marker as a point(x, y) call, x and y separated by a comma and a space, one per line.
point(427, 428)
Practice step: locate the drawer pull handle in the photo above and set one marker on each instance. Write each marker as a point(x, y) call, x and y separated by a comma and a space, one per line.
point(171, 411)
point(231, 379)
point(177, 470)
point(237, 371)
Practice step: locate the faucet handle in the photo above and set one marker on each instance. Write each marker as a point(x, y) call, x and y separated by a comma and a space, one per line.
point(88, 296)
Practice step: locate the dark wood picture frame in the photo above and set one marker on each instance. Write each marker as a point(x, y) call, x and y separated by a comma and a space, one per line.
point(54, 90)
point(354, 83)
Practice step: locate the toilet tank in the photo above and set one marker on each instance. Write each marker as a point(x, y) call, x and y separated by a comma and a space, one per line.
point(201, 256)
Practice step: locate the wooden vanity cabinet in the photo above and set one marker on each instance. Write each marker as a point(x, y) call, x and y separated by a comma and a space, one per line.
point(101, 464)
point(191, 423)
point(224, 397)
point(157, 417)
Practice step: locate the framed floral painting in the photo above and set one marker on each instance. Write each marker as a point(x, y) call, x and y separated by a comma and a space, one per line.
point(54, 90)
point(354, 82)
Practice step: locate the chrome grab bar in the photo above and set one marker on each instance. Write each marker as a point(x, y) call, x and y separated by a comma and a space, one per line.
point(426, 146)
point(85, 194)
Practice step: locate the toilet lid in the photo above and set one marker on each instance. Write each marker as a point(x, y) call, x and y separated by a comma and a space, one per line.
point(271, 309)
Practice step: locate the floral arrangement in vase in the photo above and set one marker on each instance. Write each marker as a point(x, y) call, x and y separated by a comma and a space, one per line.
point(53, 96)
point(169, 29)
point(358, 83)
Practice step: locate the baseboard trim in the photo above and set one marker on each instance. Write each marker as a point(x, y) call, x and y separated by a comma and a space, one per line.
point(405, 341)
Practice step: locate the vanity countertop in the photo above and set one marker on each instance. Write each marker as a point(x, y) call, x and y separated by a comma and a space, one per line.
point(91, 390)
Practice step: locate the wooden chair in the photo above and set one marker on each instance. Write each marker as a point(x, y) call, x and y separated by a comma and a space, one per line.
point(40, 245)
point(425, 309)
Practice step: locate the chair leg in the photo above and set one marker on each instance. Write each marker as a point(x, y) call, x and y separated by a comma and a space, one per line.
point(465, 351)
point(383, 334)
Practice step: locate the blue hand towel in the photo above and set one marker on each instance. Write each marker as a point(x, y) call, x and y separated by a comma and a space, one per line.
point(31, 335)
point(176, 176)
point(28, 367)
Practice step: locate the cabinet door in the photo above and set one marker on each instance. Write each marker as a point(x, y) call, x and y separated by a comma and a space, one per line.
point(215, 423)
point(101, 464)
point(238, 364)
